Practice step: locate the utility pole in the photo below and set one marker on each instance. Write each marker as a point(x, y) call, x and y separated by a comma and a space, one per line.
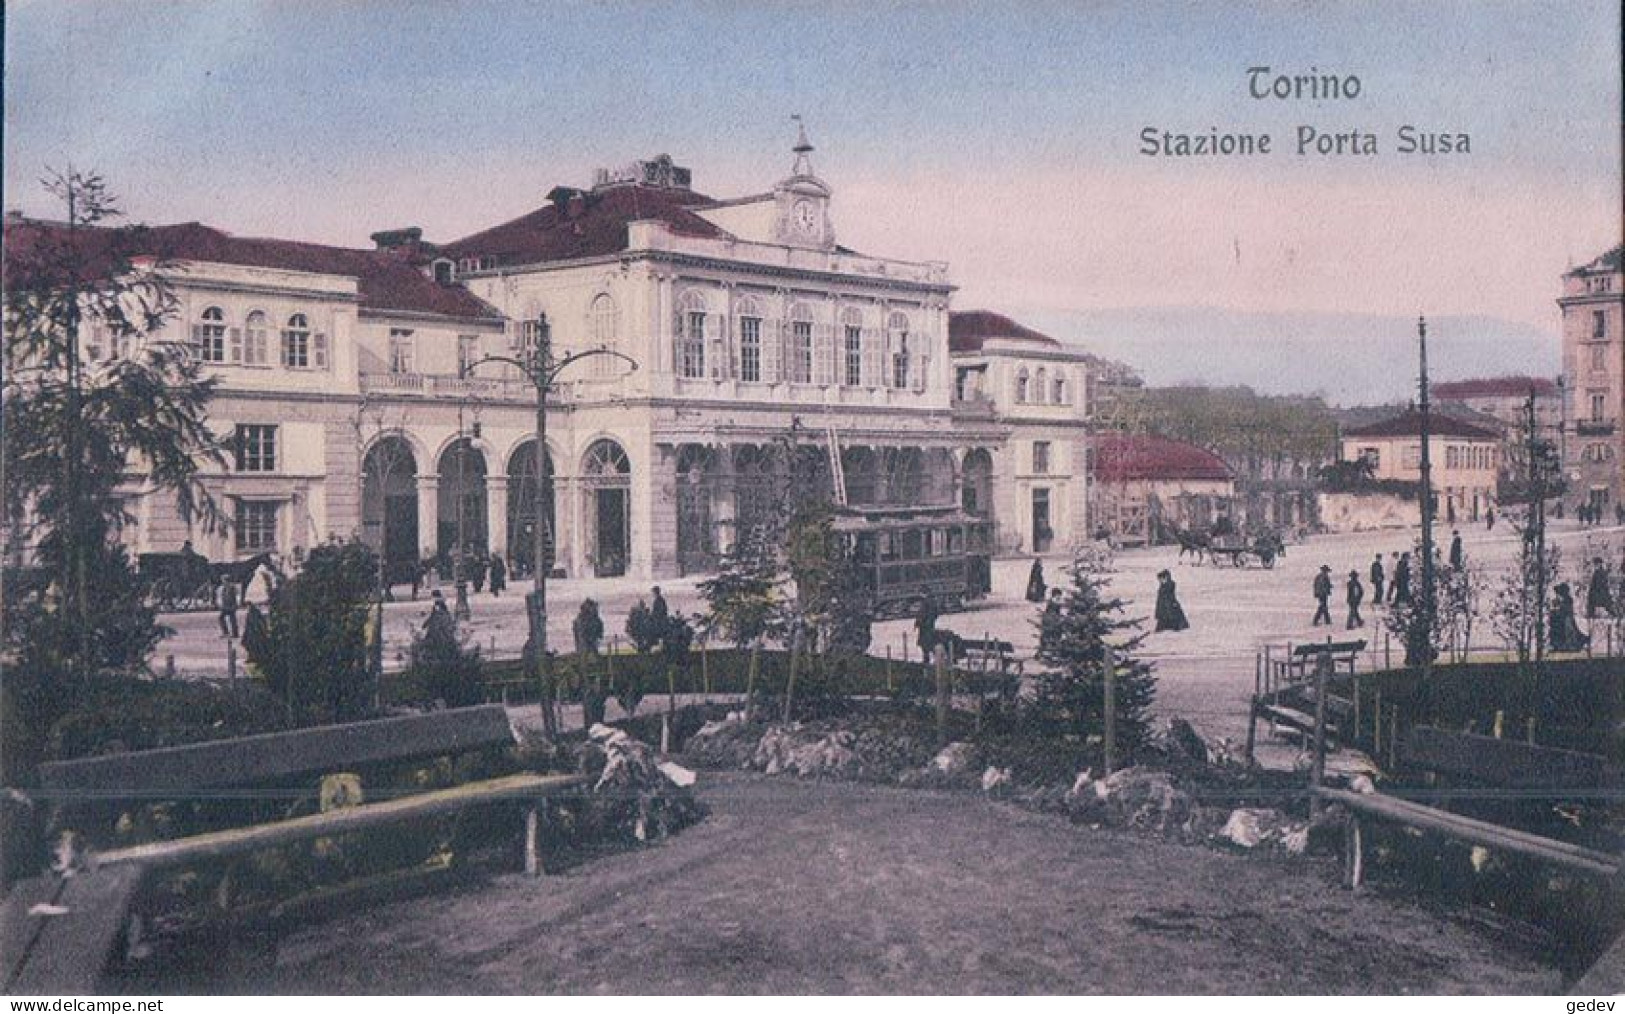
point(1428, 605)
point(538, 366)
point(1535, 530)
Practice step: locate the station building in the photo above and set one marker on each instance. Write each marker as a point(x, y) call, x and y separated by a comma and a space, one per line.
point(364, 391)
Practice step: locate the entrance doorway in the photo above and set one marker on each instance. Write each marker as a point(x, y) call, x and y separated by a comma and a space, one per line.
point(1043, 534)
point(607, 484)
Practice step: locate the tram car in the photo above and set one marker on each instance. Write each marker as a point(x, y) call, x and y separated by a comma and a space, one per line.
point(910, 554)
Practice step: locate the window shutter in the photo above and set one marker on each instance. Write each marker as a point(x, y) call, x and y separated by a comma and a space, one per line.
point(821, 355)
point(318, 350)
point(234, 350)
point(197, 341)
point(715, 330)
point(871, 357)
point(735, 342)
point(771, 334)
point(921, 365)
point(287, 349)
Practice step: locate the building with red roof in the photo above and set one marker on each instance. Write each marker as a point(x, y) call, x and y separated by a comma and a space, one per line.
point(373, 391)
point(1465, 458)
point(1146, 486)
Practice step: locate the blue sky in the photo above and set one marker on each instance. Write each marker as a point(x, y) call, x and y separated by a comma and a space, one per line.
point(1000, 138)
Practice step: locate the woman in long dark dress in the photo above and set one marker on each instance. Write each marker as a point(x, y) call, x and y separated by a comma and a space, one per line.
point(1563, 633)
point(1169, 614)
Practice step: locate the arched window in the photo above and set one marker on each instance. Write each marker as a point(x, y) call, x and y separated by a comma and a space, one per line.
point(606, 463)
point(257, 339)
point(749, 313)
point(1021, 386)
point(692, 309)
point(296, 342)
point(897, 329)
point(1059, 394)
point(852, 347)
point(603, 324)
point(801, 344)
point(1041, 387)
point(209, 335)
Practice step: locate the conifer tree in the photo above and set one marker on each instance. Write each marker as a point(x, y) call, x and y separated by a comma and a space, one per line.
point(1070, 699)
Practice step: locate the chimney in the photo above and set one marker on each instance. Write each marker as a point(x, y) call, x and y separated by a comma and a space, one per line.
point(409, 238)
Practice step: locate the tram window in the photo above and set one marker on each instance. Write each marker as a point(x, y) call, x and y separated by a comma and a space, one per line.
point(956, 541)
point(888, 546)
point(911, 544)
point(865, 551)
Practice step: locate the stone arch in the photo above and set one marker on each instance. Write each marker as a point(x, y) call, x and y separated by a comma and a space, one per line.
point(976, 487)
point(521, 470)
point(463, 521)
point(606, 487)
point(389, 504)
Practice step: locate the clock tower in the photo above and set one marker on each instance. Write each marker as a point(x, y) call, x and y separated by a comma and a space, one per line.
point(802, 201)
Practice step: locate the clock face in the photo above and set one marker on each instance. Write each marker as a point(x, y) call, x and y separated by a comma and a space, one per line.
point(804, 216)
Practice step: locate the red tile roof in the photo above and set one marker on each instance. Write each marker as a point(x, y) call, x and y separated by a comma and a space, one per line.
point(386, 280)
point(1123, 457)
point(1409, 424)
point(1496, 387)
point(968, 329)
point(586, 224)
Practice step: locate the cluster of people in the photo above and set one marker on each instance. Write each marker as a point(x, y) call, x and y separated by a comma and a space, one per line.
point(1592, 515)
point(478, 569)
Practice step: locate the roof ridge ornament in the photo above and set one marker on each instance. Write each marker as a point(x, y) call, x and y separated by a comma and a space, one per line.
point(803, 148)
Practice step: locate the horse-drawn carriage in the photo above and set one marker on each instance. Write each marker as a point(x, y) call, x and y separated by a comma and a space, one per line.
point(1239, 550)
point(187, 580)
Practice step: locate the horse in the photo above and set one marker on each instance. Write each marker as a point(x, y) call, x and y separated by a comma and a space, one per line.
point(1194, 543)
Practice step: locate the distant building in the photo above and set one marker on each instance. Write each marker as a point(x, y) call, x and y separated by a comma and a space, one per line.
point(1031, 390)
point(1465, 459)
point(1147, 485)
point(1504, 400)
point(1593, 305)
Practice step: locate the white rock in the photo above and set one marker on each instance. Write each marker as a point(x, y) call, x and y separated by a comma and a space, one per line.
point(1082, 782)
point(1296, 842)
point(679, 775)
point(993, 777)
point(955, 758)
point(1243, 829)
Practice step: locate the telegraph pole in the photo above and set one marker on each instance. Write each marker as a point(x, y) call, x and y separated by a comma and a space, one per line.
point(1428, 606)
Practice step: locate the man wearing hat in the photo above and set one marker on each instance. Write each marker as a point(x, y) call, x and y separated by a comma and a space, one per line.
point(1356, 595)
point(1323, 595)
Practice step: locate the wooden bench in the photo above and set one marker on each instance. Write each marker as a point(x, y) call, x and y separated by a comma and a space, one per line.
point(66, 952)
point(1300, 661)
point(1484, 765)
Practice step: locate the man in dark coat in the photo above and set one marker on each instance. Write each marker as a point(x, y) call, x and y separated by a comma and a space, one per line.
point(1170, 615)
point(1377, 575)
point(499, 575)
point(1323, 595)
point(1356, 595)
point(1456, 556)
point(1598, 596)
point(1402, 580)
point(1563, 633)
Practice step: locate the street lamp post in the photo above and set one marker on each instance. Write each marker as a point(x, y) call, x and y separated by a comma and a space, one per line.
point(541, 370)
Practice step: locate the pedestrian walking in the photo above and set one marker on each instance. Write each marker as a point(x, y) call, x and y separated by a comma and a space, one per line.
point(1402, 580)
point(1356, 595)
point(1489, 519)
point(438, 613)
point(1599, 598)
point(499, 575)
point(1393, 579)
point(1456, 555)
point(1323, 595)
point(1377, 575)
point(1563, 633)
point(1170, 615)
point(1035, 581)
point(226, 597)
point(658, 610)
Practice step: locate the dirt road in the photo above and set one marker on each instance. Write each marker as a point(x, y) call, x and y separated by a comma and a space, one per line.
point(796, 887)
